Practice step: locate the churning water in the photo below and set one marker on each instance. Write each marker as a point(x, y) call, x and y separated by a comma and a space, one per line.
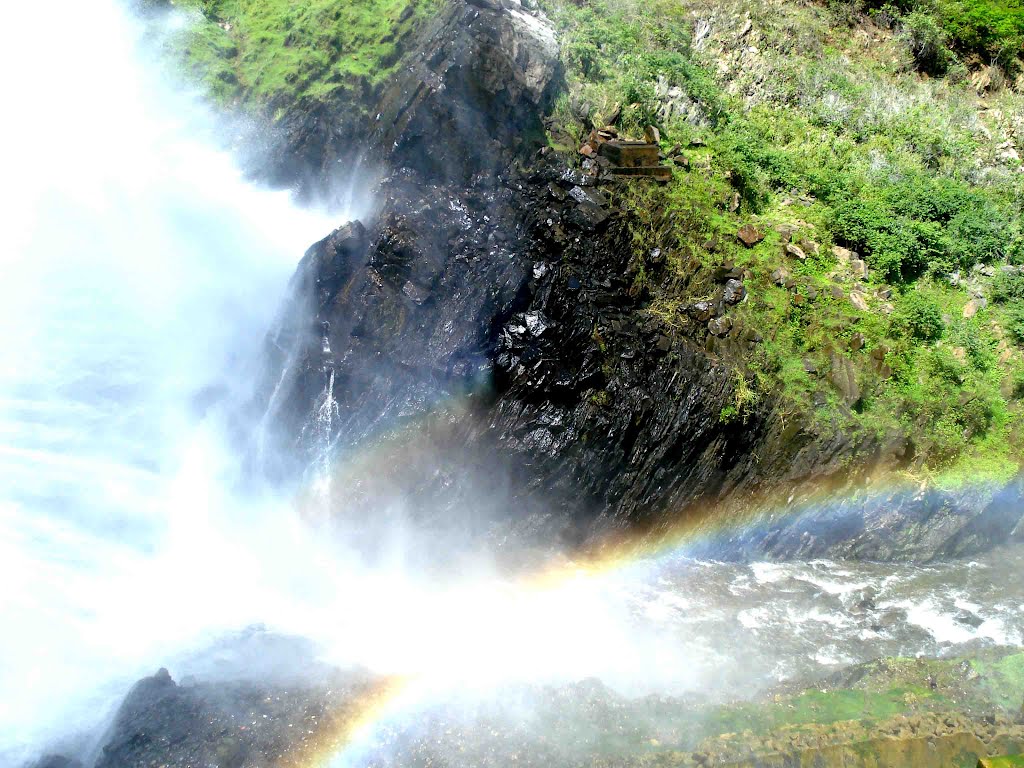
point(139, 271)
point(139, 274)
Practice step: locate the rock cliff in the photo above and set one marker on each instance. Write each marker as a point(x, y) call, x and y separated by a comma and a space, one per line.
point(491, 311)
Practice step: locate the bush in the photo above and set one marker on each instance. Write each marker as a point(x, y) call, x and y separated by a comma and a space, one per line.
point(942, 363)
point(928, 42)
point(919, 317)
point(1007, 287)
point(1014, 322)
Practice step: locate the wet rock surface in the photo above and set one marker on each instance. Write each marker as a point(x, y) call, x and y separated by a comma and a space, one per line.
point(893, 712)
point(495, 294)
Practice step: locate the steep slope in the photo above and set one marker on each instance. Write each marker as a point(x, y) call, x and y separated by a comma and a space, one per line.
point(586, 354)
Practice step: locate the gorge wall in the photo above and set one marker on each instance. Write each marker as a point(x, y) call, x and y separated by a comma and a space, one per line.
point(490, 311)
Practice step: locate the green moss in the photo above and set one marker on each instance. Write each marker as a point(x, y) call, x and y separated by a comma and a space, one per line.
point(273, 52)
point(1007, 761)
point(1003, 680)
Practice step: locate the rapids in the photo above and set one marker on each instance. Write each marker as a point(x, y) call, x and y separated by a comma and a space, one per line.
point(140, 273)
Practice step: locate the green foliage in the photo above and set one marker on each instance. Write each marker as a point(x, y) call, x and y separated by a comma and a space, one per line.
point(272, 52)
point(1007, 287)
point(992, 30)
point(919, 223)
point(928, 42)
point(919, 317)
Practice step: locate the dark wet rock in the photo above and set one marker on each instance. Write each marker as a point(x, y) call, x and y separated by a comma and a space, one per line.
point(57, 761)
point(734, 292)
point(592, 196)
point(702, 311)
point(968, 619)
point(494, 300)
point(454, 109)
point(587, 216)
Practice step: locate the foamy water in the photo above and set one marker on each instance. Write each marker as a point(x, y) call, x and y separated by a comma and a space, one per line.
point(140, 273)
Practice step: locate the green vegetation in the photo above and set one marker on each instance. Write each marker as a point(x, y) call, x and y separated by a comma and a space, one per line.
point(940, 31)
point(791, 123)
point(273, 53)
point(1009, 761)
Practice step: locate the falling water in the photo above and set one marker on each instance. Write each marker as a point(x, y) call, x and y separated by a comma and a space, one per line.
point(138, 273)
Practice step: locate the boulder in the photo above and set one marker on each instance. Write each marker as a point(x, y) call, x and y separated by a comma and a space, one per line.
point(734, 292)
point(796, 252)
point(720, 326)
point(702, 311)
point(844, 254)
point(844, 377)
point(858, 301)
point(750, 235)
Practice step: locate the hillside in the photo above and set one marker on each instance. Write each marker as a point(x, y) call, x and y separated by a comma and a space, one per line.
point(864, 333)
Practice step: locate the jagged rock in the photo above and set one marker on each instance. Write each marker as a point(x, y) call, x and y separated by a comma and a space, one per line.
point(859, 269)
point(592, 196)
point(779, 276)
point(750, 235)
point(810, 247)
point(844, 254)
point(844, 377)
point(858, 301)
point(720, 326)
point(857, 342)
point(796, 252)
point(702, 311)
point(588, 216)
point(734, 292)
point(837, 292)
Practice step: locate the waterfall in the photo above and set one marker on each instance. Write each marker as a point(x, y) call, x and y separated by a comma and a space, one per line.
point(139, 273)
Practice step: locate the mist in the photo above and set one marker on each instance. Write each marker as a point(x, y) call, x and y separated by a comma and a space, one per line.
point(141, 272)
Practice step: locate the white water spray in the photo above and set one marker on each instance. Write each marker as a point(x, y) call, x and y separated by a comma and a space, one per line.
point(139, 271)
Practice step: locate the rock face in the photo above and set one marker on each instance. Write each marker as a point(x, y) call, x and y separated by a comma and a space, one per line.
point(490, 317)
point(221, 724)
point(470, 90)
point(861, 716)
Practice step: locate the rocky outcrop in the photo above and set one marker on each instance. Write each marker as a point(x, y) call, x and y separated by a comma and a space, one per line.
point(493, 315)
point(892, 712)
point(470, 91)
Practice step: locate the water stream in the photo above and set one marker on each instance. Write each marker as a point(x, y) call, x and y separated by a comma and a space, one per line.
point(140, 273)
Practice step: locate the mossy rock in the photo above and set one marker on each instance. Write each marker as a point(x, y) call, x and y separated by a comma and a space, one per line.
point(1006, 761)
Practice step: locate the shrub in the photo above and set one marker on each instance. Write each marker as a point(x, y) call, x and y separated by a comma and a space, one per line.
point(928, 42)
point(942, 363)
point(1007, 286)
point(919, 317)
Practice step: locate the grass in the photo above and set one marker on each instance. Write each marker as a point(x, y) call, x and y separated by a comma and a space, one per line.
point(273, 53)
point(839, 139)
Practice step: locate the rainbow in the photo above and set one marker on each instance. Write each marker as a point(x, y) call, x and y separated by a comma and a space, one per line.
point(702, 530)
